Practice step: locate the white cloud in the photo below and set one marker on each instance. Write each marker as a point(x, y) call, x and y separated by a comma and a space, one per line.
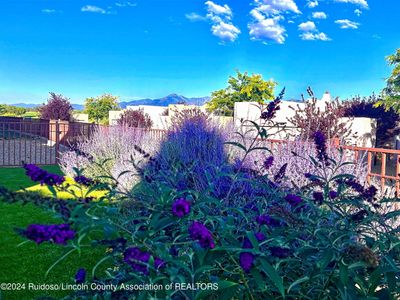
point(358, 12)
point(125, 4)
point(216, 9)
point(312, 4)
point(220, 17)
point(194, 17)
point(267, 28)
point(307, 26)
point(225, 31)
point(48, 11)
point(309, 36)
point(347, 24)
point(276, 7)
point(267, 18)
point(93, 9)
point(362, 3)
point(311, 33)
point(319, 15)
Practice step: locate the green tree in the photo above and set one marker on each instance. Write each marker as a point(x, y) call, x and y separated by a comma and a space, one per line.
point(391, 93)
point(97, 108)
point(12, 111)
point(242, 88)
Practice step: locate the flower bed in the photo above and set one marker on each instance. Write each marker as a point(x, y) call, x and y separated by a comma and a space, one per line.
point(208, 227)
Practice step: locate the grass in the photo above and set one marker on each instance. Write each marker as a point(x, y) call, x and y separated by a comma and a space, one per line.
point(29, 262)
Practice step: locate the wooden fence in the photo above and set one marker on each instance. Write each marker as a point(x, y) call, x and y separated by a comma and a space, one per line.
point(37, 141)
point(382, 164)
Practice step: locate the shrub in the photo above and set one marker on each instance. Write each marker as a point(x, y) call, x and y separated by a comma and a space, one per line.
point(135, 118)
point(312, 118)
point(386, 119)
point(191, 154)
point(109, 152)
point(296, 156)
point(58, 107)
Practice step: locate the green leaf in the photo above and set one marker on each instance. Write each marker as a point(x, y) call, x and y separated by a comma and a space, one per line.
point(297, 282)
point(274, 276)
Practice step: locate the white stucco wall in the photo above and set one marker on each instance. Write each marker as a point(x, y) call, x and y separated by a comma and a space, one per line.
point(363, 129)
point(84, 118)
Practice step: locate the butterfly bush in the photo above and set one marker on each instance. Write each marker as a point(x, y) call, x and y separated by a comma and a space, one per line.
point(199, 216)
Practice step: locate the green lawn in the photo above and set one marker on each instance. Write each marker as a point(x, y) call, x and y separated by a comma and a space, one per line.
point(29, 262)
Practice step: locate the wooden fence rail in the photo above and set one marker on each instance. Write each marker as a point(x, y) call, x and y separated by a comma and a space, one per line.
point(374, 156)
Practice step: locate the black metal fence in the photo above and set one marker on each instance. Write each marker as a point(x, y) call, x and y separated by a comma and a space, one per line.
point(38, 141)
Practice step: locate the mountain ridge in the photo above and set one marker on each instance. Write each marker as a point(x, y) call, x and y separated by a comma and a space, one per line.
point(163, 101)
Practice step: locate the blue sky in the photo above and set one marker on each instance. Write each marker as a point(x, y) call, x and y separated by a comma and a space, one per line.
point(150, 48)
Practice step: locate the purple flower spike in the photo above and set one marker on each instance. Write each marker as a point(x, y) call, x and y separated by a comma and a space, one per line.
point(320, 144)
point(268, 162)
point(273, 107)
point(260, 236)
point(333, 195)
point(83, 180)
point(246, 261)
point(137, 259)
point(267, 220)
point(158, 263)
point(39, 175)
point(181, 207)
point(80, 276)
point(200, 232)
point(318, 197)
point(58, 234)
point(293, 200)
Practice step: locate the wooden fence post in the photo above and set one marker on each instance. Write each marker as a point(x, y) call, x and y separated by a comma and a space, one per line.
point(57, 146)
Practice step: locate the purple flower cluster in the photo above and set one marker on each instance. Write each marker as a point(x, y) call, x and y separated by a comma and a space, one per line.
point(58, 233)
point(138, 260)
point(312, 178)
point(80, 276)
point(355, 185)
point(369, 193)
point(281, 173)
point(268, 162)
point(246, 261)
point(320, 144)
point(246, 258)
point(181, 207)
point(318, 197)
point(272, 107)
point(333, 194)
point(83, 180)
point(293, 200)
point(39, 175)
point(359, 216)
point(267, 220)
point(200, 232)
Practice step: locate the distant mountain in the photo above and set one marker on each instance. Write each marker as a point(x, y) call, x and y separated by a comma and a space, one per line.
point(165, 101)
point(31, 106)
point(78, 106)
point(25, 105)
